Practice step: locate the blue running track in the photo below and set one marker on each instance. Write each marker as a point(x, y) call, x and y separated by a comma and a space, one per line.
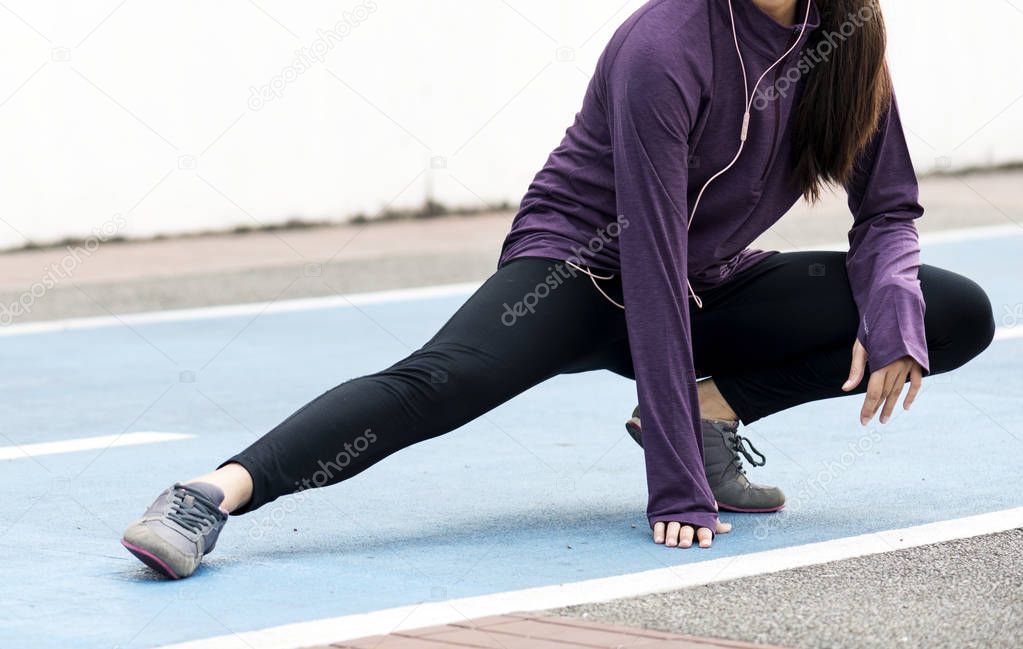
point(544, 490)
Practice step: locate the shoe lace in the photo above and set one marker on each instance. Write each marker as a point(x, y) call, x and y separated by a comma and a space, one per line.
point(742, 445)
point(200, 516)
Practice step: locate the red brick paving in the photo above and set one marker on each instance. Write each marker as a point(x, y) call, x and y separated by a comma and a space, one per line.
point(521, 631)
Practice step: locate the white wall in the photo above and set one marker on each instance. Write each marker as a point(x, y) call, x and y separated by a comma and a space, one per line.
point(144, 109)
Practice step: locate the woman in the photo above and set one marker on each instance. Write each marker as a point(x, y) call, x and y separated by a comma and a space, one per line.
point(629, 254)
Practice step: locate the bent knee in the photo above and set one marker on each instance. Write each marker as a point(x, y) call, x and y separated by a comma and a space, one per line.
point(977, 320)
point(964, 320)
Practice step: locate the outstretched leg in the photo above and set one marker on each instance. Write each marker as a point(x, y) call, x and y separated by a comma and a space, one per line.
point(532, 320)
point(526, 324)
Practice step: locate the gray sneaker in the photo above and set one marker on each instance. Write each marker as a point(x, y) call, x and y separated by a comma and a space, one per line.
point(722, 446)
point(178, 529)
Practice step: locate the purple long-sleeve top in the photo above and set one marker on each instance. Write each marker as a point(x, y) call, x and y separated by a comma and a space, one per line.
point(661, 115)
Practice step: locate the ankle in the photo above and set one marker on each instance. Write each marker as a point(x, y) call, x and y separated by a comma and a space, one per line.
point(234, 481)
point(713, 405)
point(720, 420)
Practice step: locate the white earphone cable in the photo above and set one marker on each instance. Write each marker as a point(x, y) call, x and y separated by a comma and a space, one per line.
point(748, 98)
point(593, 278)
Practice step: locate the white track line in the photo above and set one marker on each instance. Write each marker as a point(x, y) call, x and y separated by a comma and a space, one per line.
point(87, 444)
point(1009, 333)
point(236, 310)
point(322, 632)
point(400, 295)
point(957, 235)
point(971, 234)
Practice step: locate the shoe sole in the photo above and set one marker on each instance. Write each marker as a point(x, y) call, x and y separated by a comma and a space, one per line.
point(744, 510)
point(150, 559)
point(634, 431)
point(632, 427)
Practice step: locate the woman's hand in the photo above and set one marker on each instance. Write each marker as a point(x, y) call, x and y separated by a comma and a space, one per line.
point(885, 384)
point(677, 535)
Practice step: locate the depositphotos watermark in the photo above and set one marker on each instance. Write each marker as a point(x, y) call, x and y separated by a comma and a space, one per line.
point(311, 55)
point(61, 270)
point(820, 484)
point(562, 271)
point(830, 42)
point(326, 474)
point(1012, 315)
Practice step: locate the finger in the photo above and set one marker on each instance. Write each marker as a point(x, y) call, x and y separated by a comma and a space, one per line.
point(671, 538)
point(686, 537)
point(875, 391)
point(916, 381)
point(892, 398)
point(723, 527)
point(888, 380)
point(705, 537)
point(659, 533)
point(859, 362)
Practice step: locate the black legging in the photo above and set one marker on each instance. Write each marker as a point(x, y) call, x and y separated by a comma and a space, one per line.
point(776, 335)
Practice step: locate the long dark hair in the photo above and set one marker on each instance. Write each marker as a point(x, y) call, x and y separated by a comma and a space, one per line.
point(845, 95)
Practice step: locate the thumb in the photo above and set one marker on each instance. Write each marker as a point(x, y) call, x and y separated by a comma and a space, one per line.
point(859, 362)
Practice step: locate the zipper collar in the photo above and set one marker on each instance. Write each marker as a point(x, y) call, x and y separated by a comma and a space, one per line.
point(762, 33)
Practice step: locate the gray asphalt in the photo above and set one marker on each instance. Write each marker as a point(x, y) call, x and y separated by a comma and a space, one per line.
point(239, 286)
point(256, 267)
point(952, 595)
